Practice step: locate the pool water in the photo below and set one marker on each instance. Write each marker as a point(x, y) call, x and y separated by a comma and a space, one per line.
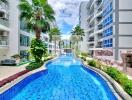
point(65, 79)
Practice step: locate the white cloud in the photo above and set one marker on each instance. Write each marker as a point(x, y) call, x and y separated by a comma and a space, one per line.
point(66, 11)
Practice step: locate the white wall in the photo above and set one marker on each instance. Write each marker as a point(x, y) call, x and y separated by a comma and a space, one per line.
point(125, 29)
point(125, 16)
point(14, 27)
point(3, 54)
point(125, 4)
point(84, 24)
point(125, 42)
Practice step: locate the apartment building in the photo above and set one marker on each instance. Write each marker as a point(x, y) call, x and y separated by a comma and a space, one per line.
point(14, 36)
point(109, 29)
point(4, 28)
point(83, 23)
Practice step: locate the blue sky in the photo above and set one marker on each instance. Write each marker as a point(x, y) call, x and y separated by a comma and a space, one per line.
point(67, 12)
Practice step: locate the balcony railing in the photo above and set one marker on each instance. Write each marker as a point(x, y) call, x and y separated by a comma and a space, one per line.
point(3, 40)
point(98, 2)
point(4, 22)
point(3, 6)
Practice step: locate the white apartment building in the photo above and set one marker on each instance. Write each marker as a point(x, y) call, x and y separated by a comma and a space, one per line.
point(109, 28)
point(83, 23)
point(14, 36)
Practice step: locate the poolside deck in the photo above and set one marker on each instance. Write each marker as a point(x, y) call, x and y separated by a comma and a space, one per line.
point(7, 71)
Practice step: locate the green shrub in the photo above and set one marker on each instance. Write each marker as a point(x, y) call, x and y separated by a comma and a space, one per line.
point(128, 86)
point(99, 65)
point(117, 75)
point(38, 48)
point(114, 73)
point(84, 54)
point(84, 58)
point(120, 78)
point(34, 65)
point(92, 63)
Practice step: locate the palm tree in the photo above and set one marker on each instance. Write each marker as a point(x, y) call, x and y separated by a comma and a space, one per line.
point(37, 15)
point(77, 34)
point(54, 35)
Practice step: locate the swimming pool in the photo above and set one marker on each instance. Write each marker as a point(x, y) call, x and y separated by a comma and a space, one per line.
point(65, 79)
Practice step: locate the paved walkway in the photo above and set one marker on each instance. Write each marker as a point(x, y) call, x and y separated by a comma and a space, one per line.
point(6, 71)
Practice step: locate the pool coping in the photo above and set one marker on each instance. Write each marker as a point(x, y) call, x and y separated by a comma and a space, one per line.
point(17, 80)
point(113, 85)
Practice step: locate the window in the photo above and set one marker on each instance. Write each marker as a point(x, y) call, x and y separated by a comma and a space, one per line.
point(24, 40)
point(108, 9)
point(107, 21)
point(24, 55)
point(108, 43)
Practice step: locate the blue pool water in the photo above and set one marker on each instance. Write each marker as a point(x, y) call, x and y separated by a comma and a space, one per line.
point(65, 79)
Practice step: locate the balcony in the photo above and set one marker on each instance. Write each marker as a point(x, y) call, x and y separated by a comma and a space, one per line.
point(3, 41)
point(99, 45)
point(91, 45)
point(4, 36)
point(4, 22)
point(4, 13)
point(100, 27)
point(98, 2)
point(91, 39)
point(3, 6)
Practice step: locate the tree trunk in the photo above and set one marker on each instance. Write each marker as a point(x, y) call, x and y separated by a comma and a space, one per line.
point(55, 46)
point(38, 33)
point(77, 45)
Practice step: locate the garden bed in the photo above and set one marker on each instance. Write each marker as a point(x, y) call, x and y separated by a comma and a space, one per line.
point(115, 74)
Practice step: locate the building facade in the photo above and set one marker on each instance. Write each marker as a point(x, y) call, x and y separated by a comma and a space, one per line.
point(14, 35)
point(109, 31)
point(83, 23)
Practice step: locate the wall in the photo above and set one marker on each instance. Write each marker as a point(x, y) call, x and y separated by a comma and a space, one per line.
point(125, 4)
point(83, 23)
point(14, 27)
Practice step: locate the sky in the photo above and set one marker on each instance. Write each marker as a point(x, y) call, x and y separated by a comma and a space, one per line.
point(67, 14)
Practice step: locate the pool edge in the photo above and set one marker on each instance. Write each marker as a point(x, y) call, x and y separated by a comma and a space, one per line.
point(16, 81)
point(113, 85)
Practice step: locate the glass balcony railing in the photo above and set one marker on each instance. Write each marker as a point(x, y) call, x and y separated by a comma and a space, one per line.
point(4, 22)
point(3, 40)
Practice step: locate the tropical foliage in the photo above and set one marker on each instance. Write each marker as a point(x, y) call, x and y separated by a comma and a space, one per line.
point(34, 65)
point(117, 75)
point(54, 35)
point(38, 49)
point(78, 31)
point(37, 15)
point(77, 35)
